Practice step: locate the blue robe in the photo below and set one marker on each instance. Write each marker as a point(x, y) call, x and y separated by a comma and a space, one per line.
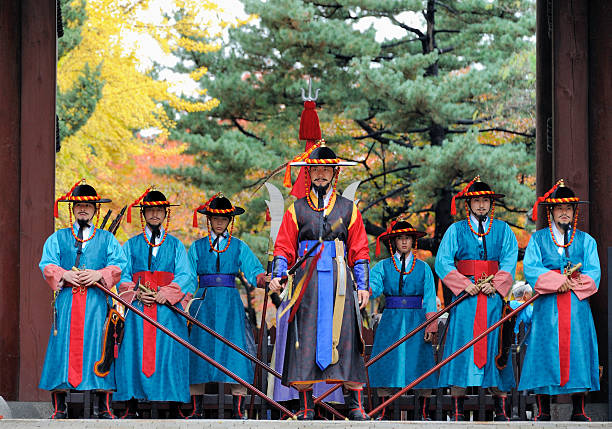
point(170, 381)
point(542, 256)
point(460, 243)
point(100, 252)
point(221, 309)
point(414, 357)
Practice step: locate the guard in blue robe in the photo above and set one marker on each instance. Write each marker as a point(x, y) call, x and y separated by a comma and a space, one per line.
point(406, 307)
point(80, 309)
point(471, 251)
point(562, 331)
point(151, 365)
point(218, 258)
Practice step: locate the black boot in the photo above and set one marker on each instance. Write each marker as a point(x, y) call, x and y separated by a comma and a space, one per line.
point(60, 409)
point(501, 409)
point(381, 415)
point(238, 410)
point(355, 405)
point(131, 409)
point(543, 408)
point(103, 402)
point(197, 401)
point(306, 411)
point(457, 404)
point(578, 414)
point(423, 412)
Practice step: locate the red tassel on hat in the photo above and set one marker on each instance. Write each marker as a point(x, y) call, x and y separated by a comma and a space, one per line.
point(389, 229)
point(309, 122)
point(463, 191)
point(534, 211)
point(195, 215)
point(66, 195)
point(139, 199)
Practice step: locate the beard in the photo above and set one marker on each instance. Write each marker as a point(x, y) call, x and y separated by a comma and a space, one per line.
point(563, 226)
point(320, 190)
point(83, 222)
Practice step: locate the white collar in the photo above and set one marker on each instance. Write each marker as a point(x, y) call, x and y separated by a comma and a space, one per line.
point(398, 257)
point(559, 234)
point(327, 195)
point(149, 232)
point(474, 222)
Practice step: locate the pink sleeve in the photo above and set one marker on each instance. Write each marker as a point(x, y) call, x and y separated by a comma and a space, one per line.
point(584, 287)
point(456, 282)
point(111, 276)
point(126, 291)
point(53, 275)
point(433, 326)
point(171, 292)
point(549, 282)
point(502, 282)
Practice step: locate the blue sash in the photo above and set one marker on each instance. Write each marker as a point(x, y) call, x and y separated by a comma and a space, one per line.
point(412, 302)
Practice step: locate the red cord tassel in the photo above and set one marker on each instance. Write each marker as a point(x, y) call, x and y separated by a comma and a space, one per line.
point(139, 199)
point(463, 191)
point(389, 229)
point(66, 195)
point(534, 211)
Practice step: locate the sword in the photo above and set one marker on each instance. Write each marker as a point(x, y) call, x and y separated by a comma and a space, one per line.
point(114, 226)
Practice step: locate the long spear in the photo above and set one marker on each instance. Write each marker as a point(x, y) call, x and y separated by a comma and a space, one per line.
point(454, 355)
point(195, 350)
point(408, 335)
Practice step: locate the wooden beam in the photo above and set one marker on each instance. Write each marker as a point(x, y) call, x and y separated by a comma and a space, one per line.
point(9, 208)
point(38, 73)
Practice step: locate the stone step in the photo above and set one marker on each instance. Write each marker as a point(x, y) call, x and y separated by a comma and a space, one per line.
point(271, 424)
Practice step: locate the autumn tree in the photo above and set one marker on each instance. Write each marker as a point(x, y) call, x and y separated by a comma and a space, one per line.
point(108, 93)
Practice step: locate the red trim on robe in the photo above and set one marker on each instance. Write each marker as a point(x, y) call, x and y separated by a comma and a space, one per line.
point(53, 276)
point(549, 282)
point(286, 240)
point(584, 287)
point(357, 242)
point(502, 282)
point(456, 282)
point(480, 325)
point(77, 336)
point(564, 309)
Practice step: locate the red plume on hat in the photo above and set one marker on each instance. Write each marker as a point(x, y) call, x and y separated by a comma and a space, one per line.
point(463, 191)
point(310, 130)
point(387, 231)
point(66, 195)
point(139, 199)
point(534, 211)
point(202, 207)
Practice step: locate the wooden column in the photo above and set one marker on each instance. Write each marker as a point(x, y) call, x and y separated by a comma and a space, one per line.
point(37, 182)
point(544, 85)
point(600, 150)
point(9, 209)
point(570, 98)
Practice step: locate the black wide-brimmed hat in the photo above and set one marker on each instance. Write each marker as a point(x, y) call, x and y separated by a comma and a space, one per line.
point(321, 155)
point(80, 193)
point(397, 228)
point(150, 198)
point(558, 194)
point(476, 188)
point(218, 205)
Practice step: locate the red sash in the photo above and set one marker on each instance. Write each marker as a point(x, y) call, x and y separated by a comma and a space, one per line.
point(564, 314)
point(479, 269)
point(153, 281)
point(77, 335)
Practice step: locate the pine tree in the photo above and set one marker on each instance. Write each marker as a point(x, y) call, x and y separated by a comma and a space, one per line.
point(449, 96)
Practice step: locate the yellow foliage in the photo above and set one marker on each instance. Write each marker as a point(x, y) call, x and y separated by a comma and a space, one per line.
point(106, 149)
